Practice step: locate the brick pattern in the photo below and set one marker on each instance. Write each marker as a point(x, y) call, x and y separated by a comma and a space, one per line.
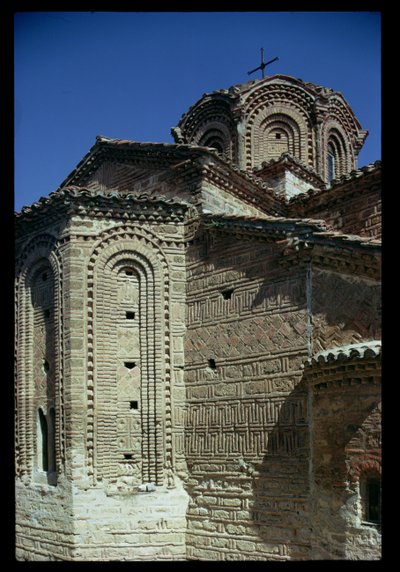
point(246, 426)
point(39, 331)
point(93, 259)
point(172, 345)
point(346, 445)
point(356, 213)
point(345, 310)
point(256, 112)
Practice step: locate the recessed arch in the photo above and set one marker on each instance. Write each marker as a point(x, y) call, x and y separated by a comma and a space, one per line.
point(338, 155)
point(216, 134)
point(39, 356)
point(139, 252)
point(262, 128)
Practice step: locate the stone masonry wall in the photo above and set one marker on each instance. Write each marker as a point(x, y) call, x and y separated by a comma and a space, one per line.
point(134, 405)
point(110, 511)
point(346, 416)
point(44, 521)
point(216, 200)
point(44, 527)
point(357, 213)
point(246, 426)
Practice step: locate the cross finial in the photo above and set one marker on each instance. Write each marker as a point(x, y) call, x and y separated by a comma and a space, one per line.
point(263, 64)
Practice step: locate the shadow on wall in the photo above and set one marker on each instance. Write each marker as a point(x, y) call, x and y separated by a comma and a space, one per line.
point(345, 310)
point(302, 509)
point(280, 510)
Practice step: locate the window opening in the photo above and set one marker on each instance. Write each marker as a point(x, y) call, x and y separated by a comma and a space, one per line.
point(47, 313)
point(44, 461)
point(130, 315)
point(371, 499)
point(134, 405)
point(129, 364)
point(128, 272)
point(331, 162)
point(227, 294)
point(46, 366)
point(212, 364)
point(128, 456)
point(51, 431)
point(277, 135)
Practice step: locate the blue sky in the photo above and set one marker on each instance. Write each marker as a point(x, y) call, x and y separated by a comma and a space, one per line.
point(131, 75)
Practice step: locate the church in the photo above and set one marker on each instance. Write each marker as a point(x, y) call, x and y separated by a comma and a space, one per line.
point(198, 341)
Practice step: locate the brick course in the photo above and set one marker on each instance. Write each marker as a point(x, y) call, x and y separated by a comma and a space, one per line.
point(169, 306)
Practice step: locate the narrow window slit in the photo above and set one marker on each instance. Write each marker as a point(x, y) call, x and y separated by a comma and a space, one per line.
point(43, 447)
point(371, 499)
point(212, 364)
point(128, 456)
point(227, 294)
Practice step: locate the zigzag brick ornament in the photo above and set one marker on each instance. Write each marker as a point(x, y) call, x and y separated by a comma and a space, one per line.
point(198, 341)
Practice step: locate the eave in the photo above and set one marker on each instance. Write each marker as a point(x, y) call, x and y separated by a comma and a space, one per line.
point(305, 241)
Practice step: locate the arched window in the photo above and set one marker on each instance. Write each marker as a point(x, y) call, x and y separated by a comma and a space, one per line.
point(46, 446)
point(370, 490)
point(215, 139)
point(337, 157)
point(331, 162)
point(215, 144)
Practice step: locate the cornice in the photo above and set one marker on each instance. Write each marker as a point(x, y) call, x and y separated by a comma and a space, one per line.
point(72, 201)
point(355, 182)
point(303, 241)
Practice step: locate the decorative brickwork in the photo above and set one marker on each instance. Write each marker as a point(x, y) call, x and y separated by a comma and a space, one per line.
point(197, 364)
point(242, 429)
point(137, 341)
point(351, 204)
point(346, 447)
point(349, 314)
point(39, 353)
point(275, 115)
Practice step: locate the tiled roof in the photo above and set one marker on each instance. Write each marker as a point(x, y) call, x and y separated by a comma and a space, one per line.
point(246, 86)
point(171, 151)
point(362, 350)
point(265, 222)
point(328, 190)
point(66, 195)
point(101, 139)
point(308, 229)
point(290, 161)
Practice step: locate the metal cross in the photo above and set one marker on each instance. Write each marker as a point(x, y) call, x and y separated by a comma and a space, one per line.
point(263, 65)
